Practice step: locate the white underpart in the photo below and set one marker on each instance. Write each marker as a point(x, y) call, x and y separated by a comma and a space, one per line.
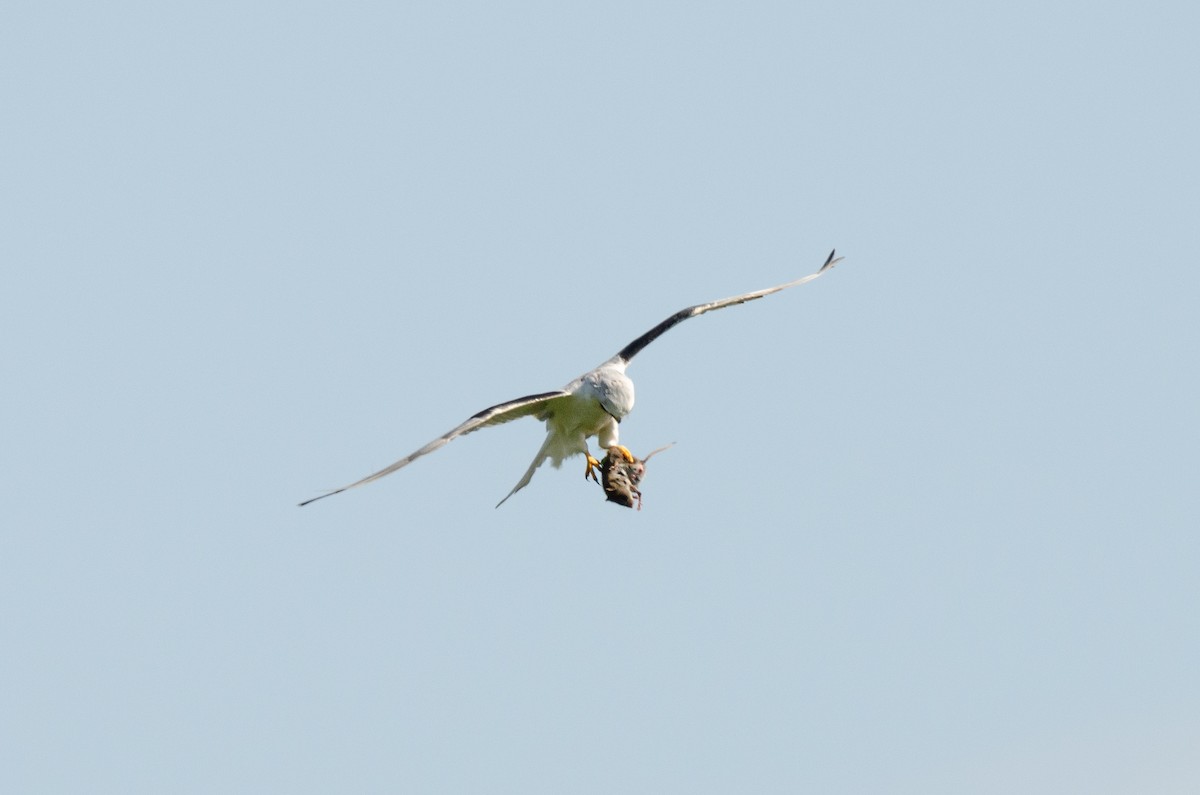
point(597, 401)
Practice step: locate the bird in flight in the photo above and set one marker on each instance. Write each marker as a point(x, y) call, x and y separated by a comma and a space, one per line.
point(591, 405)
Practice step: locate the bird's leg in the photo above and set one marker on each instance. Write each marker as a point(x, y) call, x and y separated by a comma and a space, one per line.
point(625, 452)
point(592, 466)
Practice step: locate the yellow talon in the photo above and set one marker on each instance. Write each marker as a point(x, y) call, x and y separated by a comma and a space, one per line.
point(592, 466)
point(625, 452)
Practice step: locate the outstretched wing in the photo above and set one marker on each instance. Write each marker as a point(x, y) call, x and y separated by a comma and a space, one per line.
point(494, 415)
point(632, 349)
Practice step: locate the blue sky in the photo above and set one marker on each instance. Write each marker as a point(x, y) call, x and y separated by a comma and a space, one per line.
point(930, 521)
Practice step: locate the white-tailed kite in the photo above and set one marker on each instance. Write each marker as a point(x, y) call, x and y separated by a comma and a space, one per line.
point(591, 405)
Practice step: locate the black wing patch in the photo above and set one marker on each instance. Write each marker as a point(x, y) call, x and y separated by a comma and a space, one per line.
point(633, 348)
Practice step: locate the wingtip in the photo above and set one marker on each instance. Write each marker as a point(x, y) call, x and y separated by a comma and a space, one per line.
point(321, 497)
point(831, 261)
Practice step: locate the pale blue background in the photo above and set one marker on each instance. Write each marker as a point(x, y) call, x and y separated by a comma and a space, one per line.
point(931, 522)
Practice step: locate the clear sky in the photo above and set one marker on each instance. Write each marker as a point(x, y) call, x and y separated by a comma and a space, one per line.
point(930, 524)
